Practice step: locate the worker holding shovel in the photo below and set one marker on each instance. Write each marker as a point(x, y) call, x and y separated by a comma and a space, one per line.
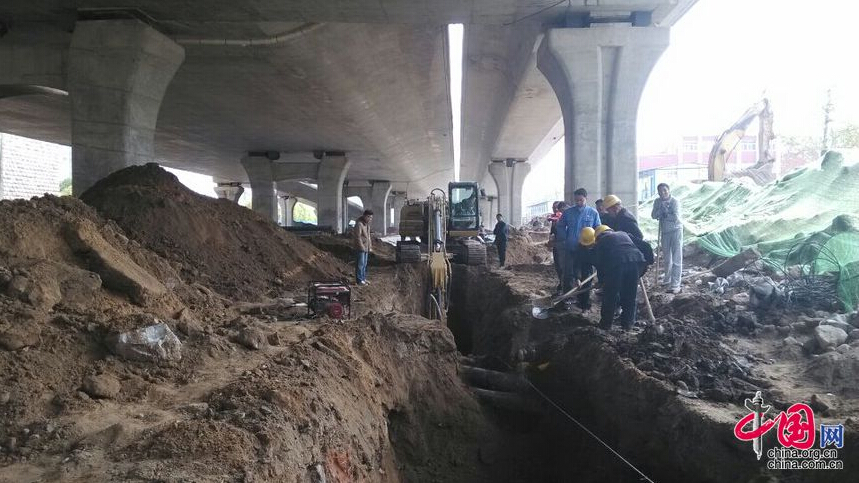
point(619, 263)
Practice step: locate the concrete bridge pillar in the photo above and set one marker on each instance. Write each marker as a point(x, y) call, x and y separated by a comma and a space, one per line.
point(263, 194)
point(598, 74)
point(286, 207)
point(117, 75)
point(379, 204)
point(398, 200)
point(330, 208)
point(230, 191)
point(509, 176)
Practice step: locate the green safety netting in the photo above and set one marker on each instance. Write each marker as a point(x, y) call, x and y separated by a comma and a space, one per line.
point(805, 219)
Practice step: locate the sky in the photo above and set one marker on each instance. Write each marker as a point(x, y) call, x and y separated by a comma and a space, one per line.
point(724, 55)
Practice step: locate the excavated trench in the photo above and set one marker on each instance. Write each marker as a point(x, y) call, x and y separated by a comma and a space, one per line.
point(667, 437)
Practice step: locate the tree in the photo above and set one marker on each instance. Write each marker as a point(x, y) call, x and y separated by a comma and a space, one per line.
point(66, 187)
point(304, 214)
point(846, 137)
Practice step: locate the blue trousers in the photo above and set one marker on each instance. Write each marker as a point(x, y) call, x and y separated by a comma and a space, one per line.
point(361, 266)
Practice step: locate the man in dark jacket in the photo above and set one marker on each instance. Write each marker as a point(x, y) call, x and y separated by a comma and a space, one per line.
point(558, 250)
point(619, 264)
point(620, 219)
point(501, 232)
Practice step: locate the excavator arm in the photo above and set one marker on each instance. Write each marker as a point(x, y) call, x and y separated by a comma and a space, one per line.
point(728, 140)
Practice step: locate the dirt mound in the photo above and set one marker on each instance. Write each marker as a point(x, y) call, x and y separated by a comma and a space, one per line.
point(213, 241)
point(521, 250)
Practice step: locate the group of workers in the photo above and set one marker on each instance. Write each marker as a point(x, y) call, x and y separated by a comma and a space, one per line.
point(583, 238)
point(607, 238)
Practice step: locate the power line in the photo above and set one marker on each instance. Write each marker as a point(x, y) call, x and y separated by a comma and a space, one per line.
point(565, 413)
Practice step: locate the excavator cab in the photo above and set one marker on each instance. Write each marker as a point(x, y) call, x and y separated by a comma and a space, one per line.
point(463, 224)
point(464, 212)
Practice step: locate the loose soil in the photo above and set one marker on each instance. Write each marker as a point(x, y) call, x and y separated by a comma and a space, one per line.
point(262, 392)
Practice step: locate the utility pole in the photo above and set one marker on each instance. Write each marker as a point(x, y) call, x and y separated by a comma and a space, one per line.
point(827, 123)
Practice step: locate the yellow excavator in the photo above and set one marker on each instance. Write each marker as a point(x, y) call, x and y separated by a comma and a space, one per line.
point(728, 141)
point(440, 229)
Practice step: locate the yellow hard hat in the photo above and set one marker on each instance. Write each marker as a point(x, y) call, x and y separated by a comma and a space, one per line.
point(610, 201)
point(598, 230)
point(587, 237)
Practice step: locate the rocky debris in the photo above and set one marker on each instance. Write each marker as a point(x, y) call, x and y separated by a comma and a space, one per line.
point(852, 336)
point(737, 262)
point(117, 270)
point(828, 336)
point(838, 323)
point(102, 386)
point(821, 403)
point(20, 335)
point(252, 338)
point(155, 343)
point(764, 293)
point(187, 324)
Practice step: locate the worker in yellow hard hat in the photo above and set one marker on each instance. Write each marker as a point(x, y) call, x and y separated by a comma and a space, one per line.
point(619, 218)
point(619, 264)
point(600, 229)
point(588, 236)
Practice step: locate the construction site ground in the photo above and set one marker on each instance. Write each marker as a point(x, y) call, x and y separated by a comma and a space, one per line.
point(244, 386)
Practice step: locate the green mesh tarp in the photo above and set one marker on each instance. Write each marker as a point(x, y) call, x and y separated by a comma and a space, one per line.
point(806, 218)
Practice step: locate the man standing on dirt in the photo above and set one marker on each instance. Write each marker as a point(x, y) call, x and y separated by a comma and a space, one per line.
point(666, 209)
point(501, 231)
point(558, 250)
point(363, 245)
point(567, 230)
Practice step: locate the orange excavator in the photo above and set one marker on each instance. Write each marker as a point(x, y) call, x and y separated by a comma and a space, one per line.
point(728, 141)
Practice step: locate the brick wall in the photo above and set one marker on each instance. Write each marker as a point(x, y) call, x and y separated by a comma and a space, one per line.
point(29, 167)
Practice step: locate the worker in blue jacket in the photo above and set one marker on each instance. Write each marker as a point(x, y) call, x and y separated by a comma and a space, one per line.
point(567, 232)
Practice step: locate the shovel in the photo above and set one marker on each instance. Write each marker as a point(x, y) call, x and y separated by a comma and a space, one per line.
point(543, 305)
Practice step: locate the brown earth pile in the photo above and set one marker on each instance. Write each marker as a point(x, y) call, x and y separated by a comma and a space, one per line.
point(215, 242)
point(260, 393)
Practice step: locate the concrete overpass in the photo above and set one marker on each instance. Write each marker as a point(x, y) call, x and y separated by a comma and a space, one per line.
point(351, 96)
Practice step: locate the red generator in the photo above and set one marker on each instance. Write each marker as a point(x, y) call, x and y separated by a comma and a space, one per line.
point(333, 299)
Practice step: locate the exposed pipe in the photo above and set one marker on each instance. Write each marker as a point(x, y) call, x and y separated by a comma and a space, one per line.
point(287, 36)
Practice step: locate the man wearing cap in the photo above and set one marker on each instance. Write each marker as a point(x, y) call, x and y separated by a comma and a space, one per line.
point(619, 264)
point(569, 226)
point(620, 219)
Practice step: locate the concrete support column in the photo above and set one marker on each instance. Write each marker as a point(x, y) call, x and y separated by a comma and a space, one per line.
point(329, 204)
point(397, 202)
point(286, 206)
point(117, 75)
point(598, 74)
point(517, 180)
point(230, 191)
point(263, 194)
point(499, 172)
point(509, 176)
point(345, 215)
point(379, 203)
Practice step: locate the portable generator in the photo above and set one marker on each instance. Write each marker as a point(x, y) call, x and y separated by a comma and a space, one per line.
point(333, 299)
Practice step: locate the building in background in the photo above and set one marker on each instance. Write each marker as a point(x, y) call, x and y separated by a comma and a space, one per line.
point(689, 163)
point(31, 168)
